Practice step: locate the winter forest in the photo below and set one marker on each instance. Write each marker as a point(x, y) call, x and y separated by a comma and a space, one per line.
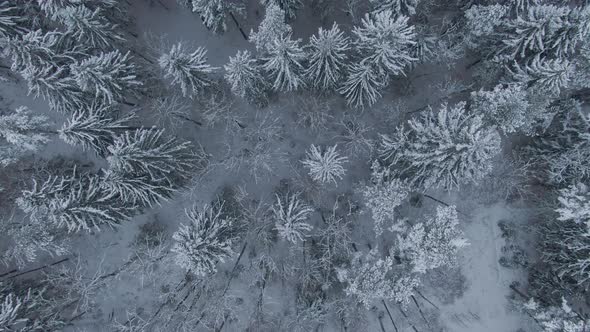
point(295, 165)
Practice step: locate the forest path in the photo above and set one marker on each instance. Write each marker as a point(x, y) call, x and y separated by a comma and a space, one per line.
point(484, 305)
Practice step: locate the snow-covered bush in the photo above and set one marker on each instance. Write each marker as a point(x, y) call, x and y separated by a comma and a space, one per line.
point(324, 165)
point(290, 216)
point(205, 241)
point(443, 149)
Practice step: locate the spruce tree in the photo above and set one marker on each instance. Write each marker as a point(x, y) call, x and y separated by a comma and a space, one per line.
point(108, 76)
point(214, 12)
point(205, 241)
point(34, 49)
point(189, 70)
point(150, 152)
point(362, 87)
point(246, 78)
point(385, 41)
point(88, 26)
point(284, 64)
point(443, 149)
point(327, 58)
point(136, 189)
point(23, 132)
point(506, 107)
point(94, 128)
point(272, 27)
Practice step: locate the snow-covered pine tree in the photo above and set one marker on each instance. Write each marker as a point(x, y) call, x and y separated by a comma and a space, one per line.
point(481, 24)
point(284, 64)
point(33, 49)
point(140, 190)
point(52, 84)
point(23, 131)
point(555, 318)
point(398, 7)
point(290, 215)
point(273, 26)
point(550, 76)
point(10, 21)
point(382, 197)
point(443, 149)
point(149, 151)
point(214, 12)
point(506, 107)
point(95, 128)
point(288, 6)
point(324, 165)
point(246, 78)
point(327, 58)
point(385, 41)
point(547, 30)
point(362, 87)
point(205, 241)
point(433, 243)
point(76, 202)
point(87, 26)
point(562, 151)
point(108, 76)
point(189, 70)
point(370, 278)
point(565, 240)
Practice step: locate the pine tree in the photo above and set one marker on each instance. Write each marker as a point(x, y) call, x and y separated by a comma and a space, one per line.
point(444, 149)
point(370, 278)
point(138, 190)
point(574, 205)
point(87, 26)
point(94, 129)
point(76, 203)
point(327, 58)
point(507, 107)
point(273, 26)
point(291, 215)
point(149, 152)
point(213, 13)
point(398, 7)
point(288, 6)
point(550, 76)
point(52, 84)
point(245, 76)
point(324, 166)
point(10, 21)
point(385, 41)
point(33, 49)
point(284, 63)
point(189, 70)
point(361, 88)
point(24, 130)
point(433, 243)
point(107, 75)
point(205, 241)
point(383, 196)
